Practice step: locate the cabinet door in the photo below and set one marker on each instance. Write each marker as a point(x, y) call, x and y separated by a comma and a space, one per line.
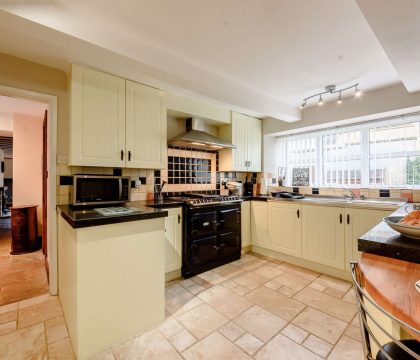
point(246, 223)
point(284, 228)
point(259, 223)
point(173, 239)
point(145, 127)
point(323, 235)
point(359, 222)
point(254, 144)
point(240, 139)
point(97, 119)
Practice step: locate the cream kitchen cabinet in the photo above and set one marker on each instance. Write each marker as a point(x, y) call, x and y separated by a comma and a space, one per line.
point(114, 122)
point(284, 228)
point(246, 223)
point(245, 133)
point(323, 235)
point(145, 127)
point(259, 211)
point(173, 237)
point(97, 118)
point(357, 223)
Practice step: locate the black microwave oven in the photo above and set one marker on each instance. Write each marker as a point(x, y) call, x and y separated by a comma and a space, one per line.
point(100, 190)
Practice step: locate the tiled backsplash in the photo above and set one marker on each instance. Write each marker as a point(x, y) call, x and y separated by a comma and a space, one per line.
point(189, 170)
point(147, 177)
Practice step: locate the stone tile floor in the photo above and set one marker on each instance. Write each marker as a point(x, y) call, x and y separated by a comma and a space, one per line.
point(21, 276)
point(253, 308)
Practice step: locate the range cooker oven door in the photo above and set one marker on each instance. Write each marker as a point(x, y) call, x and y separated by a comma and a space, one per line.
point(229, 244)
point(229, 220)
point(203, 251)
point(203, 224)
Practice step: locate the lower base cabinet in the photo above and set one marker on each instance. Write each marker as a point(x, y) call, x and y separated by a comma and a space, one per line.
point(259, 210)
point(246, 223)
point(326, 235)
point(284, 228)
point(173, 239)
point(359, 222)
point(323, 235)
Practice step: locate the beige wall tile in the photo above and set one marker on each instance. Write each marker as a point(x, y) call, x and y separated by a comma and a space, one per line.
point(416, 196)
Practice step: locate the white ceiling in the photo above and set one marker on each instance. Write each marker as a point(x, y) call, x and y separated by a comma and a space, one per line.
point(262, 57)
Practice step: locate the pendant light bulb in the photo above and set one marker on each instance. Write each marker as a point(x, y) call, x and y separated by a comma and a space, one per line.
point(357, 92)
point(320, 101)
point(303, 105)
point(339, 100)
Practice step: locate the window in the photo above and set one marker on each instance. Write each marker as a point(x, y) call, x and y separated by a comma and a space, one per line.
point(298, 152)
point(394, 155)
point(341, 158)
point(383, 153)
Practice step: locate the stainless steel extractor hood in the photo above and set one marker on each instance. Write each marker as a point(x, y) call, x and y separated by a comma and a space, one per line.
point(195, 136)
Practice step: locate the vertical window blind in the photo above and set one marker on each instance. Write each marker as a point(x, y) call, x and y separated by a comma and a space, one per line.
point(384, 153)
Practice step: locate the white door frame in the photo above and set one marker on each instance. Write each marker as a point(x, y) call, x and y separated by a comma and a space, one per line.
point(51, 101)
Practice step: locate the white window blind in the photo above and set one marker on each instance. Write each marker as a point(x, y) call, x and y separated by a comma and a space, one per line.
point(341, 158)
point(394, 154)
point(298, 152)
point(382, 153)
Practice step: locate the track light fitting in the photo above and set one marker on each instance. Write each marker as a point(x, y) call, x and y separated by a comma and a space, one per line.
point(320, 101)
point(331, 89)
point(339, 100)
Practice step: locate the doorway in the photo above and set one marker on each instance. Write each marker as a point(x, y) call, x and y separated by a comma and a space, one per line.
point(27, 188)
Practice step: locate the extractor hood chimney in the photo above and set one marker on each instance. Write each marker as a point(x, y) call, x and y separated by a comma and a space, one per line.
point(196, 137)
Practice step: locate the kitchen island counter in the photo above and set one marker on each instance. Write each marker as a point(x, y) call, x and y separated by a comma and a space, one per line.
point(111, 279)
point(384, 241)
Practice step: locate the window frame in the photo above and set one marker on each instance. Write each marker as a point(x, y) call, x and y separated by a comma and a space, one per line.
point(365, 150)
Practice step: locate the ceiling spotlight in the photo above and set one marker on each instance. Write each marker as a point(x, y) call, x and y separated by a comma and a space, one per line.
point(320, 101)
point(330, 90)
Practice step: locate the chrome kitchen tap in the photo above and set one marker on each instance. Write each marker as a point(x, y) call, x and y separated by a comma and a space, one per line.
point(352, 195)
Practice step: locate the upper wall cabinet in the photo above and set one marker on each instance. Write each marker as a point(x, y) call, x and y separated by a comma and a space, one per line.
point(145, 127)
point(97, 118)
point(114, 122)
point(245, 133)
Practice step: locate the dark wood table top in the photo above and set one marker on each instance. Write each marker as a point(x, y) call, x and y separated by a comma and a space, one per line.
point(391, 283)
point(17, 207)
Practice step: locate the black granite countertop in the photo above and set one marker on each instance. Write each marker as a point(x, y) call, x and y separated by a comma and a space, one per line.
point(80, 218)
point(384, 241)
point(256, 198)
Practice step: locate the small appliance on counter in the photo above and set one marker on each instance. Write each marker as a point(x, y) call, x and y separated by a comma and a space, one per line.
point(248, 187)
point(287, 195)
point(100, 190)
point(235, 188)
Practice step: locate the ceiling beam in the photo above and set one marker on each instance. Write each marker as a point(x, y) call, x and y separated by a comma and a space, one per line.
point(396, 24)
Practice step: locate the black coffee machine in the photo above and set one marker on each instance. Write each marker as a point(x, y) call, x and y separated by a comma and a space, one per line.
point(249, 185)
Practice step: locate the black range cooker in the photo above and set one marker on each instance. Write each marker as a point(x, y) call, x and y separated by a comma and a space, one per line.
point(211, 232)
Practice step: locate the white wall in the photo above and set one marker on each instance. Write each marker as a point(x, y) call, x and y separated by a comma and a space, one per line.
point(27, 162)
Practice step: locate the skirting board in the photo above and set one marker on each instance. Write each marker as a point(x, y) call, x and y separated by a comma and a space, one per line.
point(246, 249)
point(173, 275)
point(342, 274)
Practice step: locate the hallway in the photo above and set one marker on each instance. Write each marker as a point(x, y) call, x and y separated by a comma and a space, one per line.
point(21, 276)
